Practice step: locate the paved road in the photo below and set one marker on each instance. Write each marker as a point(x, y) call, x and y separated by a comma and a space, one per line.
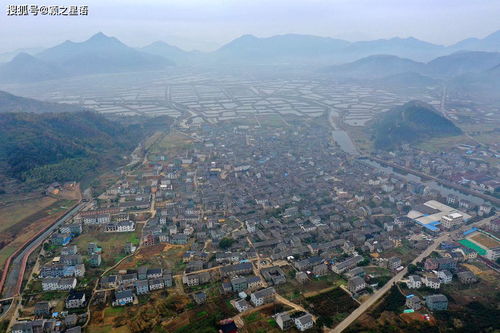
point(11, 287)
point(379, 293)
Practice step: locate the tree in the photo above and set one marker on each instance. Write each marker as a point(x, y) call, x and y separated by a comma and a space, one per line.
point(226, 243)
point(412, 268)
point(364, 262)
point(324, 321)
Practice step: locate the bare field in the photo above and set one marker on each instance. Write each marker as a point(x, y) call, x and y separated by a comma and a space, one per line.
point(170, 143)
point(485, 241)
point(17, 234)
point(15, 213)
point(161, 255)
point(439, 144)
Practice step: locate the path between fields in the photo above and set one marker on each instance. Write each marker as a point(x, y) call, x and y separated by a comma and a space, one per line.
point(239, 321)
point(297, 307)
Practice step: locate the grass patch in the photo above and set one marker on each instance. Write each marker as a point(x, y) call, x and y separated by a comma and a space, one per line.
point(171, 142)
point(253, 317)
point(113, 311)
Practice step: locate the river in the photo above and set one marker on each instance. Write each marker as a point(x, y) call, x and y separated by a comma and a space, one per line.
point(443, 190)
point(345, 143)
point(341, 137)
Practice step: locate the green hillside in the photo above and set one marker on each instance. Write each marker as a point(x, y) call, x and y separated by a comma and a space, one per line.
point(42, 148)
point(412, 122)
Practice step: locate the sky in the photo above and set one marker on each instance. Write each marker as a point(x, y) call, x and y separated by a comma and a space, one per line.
point(208, 24)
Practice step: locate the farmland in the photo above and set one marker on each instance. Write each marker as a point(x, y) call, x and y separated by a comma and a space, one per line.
point(335, 304)
point(171, 142)
point(261, 321)
point(292, 289)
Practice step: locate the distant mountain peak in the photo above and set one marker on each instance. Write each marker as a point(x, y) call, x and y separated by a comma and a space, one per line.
point(99, 36)
point(102, 39)
point(23, 56)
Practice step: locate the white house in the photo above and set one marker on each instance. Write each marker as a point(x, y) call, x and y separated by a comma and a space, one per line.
point(445, 276)
point(431, 282)
point(241, 305)
point(304, 322)
point(414, 282)
point(263, 296)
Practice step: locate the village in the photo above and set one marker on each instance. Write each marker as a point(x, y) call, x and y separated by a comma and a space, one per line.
point(253, 227)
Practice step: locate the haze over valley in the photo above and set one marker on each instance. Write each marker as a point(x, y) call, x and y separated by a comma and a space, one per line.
point(293, 182)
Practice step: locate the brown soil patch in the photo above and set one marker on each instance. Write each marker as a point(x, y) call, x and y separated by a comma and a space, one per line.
point(15, 237)
point(409, 317)
point(474, 269)
point(485, 240)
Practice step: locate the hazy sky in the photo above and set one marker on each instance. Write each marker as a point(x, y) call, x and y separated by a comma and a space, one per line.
point(206, 24)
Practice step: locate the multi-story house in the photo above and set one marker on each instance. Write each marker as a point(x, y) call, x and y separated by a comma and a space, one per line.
point(436, 302)
point(76, 299)
point(414, 282)
point(263, 296)
point(356, 284)
point(304, 322)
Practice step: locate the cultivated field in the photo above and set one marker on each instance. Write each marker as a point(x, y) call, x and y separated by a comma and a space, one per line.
point(336, 304)
point(262, 322)
point(112, 243)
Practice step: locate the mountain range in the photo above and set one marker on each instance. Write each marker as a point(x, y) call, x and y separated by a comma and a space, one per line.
point(104, 54)
point(475, 74)
point(99, 54)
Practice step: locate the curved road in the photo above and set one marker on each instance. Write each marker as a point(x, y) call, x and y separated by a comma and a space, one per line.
point(14, 277)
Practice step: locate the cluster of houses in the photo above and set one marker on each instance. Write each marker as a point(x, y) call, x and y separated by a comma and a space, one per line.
point(438, 271)
point(295, 197)
point(301, 320)
point(60, 274)
point(436, 302)
point(48, 325)
point(131, 283)
point(461, 165)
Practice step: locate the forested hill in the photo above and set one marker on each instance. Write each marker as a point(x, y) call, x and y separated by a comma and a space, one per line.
point(42, 148)
point(412, 122)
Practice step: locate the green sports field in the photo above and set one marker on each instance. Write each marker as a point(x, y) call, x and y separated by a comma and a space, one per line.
point(475, 247)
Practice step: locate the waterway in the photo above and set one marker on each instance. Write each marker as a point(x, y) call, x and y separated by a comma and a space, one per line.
point(341, 137)
point(344, 141)
point(443, 190)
